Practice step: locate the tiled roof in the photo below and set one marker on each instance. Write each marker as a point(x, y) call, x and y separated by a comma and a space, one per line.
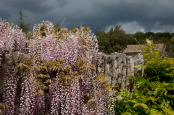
point(138, 48)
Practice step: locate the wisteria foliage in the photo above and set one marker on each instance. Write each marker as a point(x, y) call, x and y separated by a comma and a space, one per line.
point(59, 78)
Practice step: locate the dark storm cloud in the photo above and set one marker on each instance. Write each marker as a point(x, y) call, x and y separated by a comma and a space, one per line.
point(140, 15)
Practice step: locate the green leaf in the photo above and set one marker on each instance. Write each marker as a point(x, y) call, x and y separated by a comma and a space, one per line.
point(141, 104)
point(138, 66)
point(148, 42)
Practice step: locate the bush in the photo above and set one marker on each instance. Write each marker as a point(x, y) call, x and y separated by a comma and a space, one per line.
point(154, 91)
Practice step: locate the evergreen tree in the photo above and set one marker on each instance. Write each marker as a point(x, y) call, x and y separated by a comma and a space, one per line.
point(21, 23)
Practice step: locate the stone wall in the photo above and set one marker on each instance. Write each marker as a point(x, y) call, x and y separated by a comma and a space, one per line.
point(117, 67)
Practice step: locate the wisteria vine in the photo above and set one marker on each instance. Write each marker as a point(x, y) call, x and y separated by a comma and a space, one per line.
point(59, 78)
point(11, 39)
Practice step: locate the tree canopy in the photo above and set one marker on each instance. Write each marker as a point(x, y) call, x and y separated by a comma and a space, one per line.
point(115, 40)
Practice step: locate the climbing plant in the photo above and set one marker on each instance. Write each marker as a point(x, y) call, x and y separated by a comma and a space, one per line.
point(58, 77)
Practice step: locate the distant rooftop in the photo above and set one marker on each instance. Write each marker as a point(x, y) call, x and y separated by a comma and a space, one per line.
point(138, 48)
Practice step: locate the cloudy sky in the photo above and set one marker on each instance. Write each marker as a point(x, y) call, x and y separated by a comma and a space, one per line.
point(133, 15)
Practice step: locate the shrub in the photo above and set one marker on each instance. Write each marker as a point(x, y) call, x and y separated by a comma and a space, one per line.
point(154, 91)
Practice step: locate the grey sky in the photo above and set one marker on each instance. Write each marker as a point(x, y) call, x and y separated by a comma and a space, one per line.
point(133, 15)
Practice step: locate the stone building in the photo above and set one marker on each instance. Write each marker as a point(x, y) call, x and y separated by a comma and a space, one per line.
point(133, 50)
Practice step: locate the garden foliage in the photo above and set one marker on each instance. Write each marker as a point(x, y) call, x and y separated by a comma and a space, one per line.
point(154, 93)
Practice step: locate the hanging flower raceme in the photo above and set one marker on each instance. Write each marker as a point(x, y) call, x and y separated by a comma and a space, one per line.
point(59, 78)
point(11, 39)
point(69, 58)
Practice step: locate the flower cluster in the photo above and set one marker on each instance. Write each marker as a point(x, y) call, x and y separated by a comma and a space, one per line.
point(10, 85)
point(11, 39)
point(70, 57)
point(61, 77)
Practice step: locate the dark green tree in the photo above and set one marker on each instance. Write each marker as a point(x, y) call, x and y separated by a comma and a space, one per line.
point(115, 40)
point(21, 23)
point(149, 35)
point(140, 36)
